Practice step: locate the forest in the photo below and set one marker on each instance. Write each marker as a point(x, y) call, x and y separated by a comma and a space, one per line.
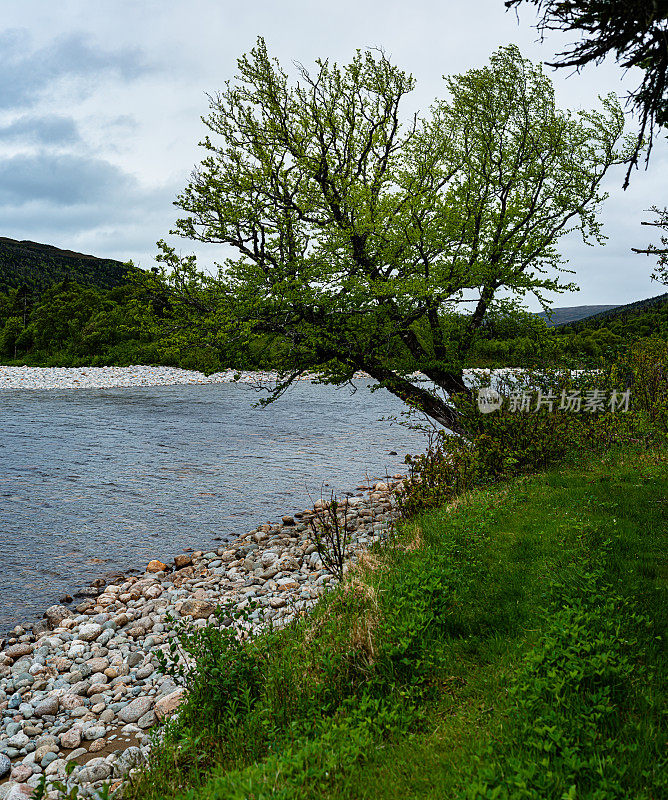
point(135, 321)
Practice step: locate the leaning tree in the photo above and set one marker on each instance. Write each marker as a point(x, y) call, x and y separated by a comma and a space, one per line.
point(361, 236)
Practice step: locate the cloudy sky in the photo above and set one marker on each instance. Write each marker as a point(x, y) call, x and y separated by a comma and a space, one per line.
point(100, 107)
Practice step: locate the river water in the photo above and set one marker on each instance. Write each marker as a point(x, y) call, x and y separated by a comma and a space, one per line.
point(100, 480)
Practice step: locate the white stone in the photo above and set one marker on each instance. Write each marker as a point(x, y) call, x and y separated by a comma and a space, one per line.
point(89, 631)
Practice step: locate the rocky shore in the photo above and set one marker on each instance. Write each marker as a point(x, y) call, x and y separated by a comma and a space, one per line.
point(138, 375)
point(112, 377)
point(82, 685)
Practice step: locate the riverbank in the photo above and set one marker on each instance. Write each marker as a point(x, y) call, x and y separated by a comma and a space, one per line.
point(510, 644)
point(82, 686)
point(138, 375)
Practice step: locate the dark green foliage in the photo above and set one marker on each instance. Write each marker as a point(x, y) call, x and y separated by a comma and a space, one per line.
point(33, 267)
point(507, 442)
point(585, 342)
point(620, 316)
point(218, 664)
point(643, 370)
point(71, 325)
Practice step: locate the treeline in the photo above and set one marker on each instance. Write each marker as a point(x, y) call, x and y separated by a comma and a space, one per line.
point(139, 322)
point(71, 325)
point(585, 342)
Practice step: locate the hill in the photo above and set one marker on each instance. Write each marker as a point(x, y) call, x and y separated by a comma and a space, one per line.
point(562, 316)
point(616, 315)
point(39, 266)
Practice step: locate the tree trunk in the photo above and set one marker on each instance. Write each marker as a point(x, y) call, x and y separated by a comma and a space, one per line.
point(419, 398)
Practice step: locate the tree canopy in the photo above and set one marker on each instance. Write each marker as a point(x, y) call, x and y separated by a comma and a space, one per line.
point(634, 31)
point(361, 234)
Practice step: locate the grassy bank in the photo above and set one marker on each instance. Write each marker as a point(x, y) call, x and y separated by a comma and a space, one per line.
point(510, 645)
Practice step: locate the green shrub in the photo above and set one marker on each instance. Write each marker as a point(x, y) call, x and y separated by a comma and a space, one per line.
point(513, 440)
point(643, 370)
point(217, 664)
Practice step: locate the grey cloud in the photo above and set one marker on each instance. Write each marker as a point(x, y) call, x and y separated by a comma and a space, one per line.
point(24, 72)
point(83, 203)
point(61, 179)
point(46, 130)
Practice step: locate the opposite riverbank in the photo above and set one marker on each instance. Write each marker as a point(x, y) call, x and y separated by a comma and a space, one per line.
point(113, 377)
point(140, 375)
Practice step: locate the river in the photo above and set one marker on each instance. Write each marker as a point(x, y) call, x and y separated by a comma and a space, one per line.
point(100, 480)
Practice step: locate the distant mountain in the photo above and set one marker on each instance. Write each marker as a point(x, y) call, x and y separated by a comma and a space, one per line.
point(38, 266)
point(562, 316)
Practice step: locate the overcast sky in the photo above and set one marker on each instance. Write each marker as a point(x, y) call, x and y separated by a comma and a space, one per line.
point(100, 107)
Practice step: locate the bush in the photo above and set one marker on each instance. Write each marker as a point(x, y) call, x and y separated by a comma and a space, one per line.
point(515, 439)
point(217, 664)
point(643, 370)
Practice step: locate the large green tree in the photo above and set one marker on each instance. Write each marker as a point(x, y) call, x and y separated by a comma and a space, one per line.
point(360, 235)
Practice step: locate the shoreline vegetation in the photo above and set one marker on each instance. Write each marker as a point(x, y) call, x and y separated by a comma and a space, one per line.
point(71, 325)
point(508, 644)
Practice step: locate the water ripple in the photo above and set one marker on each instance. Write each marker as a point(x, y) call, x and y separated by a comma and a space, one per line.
point(101, 480)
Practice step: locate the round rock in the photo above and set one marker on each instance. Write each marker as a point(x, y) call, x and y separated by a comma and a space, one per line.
point(89, 631)
point(136, 709)
point(47, 707)
point(5, 765)
point(71, 739)
point(18, 650)
point(21, 773)
point(19, 791)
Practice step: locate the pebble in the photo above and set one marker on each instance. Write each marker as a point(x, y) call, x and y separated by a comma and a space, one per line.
point(16, 791)
point(47, 707)
point(136, 709)
point(89, 632)
point(21, 773)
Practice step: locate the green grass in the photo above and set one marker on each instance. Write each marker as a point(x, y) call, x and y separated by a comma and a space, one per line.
point(510, 646)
